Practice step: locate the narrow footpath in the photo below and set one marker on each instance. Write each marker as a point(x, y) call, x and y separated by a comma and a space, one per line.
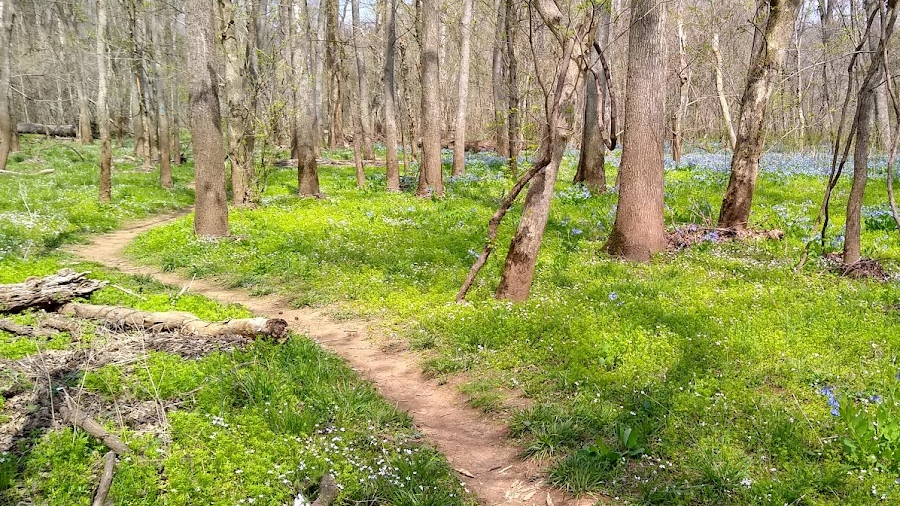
point(474, 444)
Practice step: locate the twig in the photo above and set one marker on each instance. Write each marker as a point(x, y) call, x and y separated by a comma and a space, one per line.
point(129, 292)
point(78, 418)
point(109, 470)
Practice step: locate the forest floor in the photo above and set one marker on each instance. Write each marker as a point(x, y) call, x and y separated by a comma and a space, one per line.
point(717, 374)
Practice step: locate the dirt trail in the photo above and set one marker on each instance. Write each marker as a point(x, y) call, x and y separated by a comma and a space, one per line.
point(475, 445)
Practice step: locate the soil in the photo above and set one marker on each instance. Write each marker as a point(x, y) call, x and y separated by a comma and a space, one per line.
point(475, 444)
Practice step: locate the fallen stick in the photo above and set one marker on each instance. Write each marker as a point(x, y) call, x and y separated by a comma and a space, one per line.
point(71, 414)
point(109, 470)
point(16, 173)
point(48, 292)
point(24, 330)
point(176, 321)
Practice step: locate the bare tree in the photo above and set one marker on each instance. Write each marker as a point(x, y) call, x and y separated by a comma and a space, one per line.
point(498, 82)
point(102, 108)
point(7, 16)
point(765, 66)
point(720, 92)
point(430, 176)
point(333, 64)
point(304, 66)
point(639, 231)
point(392, 163)
point(162, 114)
point(465, 50)
point(592, 161)
point(681, 98)
point(211, 216)
point(365, 116)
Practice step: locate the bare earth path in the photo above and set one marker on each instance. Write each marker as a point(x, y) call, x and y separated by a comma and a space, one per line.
point(476, 446)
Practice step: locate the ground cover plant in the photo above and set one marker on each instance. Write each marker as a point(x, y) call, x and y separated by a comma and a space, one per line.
point(257, 424)
point(694, 379)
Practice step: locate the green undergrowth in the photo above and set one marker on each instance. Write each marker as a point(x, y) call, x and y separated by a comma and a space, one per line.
point(256, 426)
point(39, 212)
point(693, 379)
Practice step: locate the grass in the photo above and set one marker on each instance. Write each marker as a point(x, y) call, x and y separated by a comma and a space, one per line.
point(711, 358)
point(257, 426)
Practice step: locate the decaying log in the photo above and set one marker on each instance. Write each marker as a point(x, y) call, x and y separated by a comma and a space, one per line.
point(24, 330)
point(328, 490)
point(109, 470)
point(71, 414)
point(176, 321)
point(54, 130)
point(48, 292)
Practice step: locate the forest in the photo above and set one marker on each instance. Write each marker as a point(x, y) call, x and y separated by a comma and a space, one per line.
point(449, 253)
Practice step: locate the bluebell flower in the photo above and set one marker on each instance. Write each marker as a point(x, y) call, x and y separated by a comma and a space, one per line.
point(876, 399)
point(577, 231)
point(613, 296)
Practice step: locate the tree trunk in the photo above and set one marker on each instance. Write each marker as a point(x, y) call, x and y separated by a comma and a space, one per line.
point(85, 135)
point(765, 67)
point(592, 158)
point(518, 270)
point(333, 71)
point(102, 107)
point(7, 15)
point(680, 105)
point(462, 106)
point(307, 169)
point(498, 82)
point(137, 125)
point(512, 91)
point(392, 163)
point(211, 215)
point(430, 176)
point(720, 92)
point(639, 231)
point(162, 114)
point(365, 116)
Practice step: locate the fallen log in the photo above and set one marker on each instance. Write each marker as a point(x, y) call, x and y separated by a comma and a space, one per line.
point(71, 414)
point(176, 321)
point(49, 292)
point(109, 470)
point(54, 130)
point(24, 330)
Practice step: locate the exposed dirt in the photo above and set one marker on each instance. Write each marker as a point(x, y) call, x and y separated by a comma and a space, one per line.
point(474, 444)
point(691, 235)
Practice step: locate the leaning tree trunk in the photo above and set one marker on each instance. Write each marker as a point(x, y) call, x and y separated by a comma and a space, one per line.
point(465, 52)
point(6, 125)
point(430, 177)
point(592, 159)
point(639, 230)
point(765, 67)
point(307, 124)
point(865, 113)
point(720, 92)
point(392, 162)
point(211, 203)
point(365, 115)
point(518, 270)
point(102, 107)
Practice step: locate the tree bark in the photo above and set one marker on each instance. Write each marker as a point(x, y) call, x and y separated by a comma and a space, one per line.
point(512, 89)
point(592, 159)
point(105, 184)
point(498, 81)
point(211, 215)
point(430, 173)
point(162, 114)
point(7, 15)
point(639, 231)
point(307, 168)
point(678, 110)
point(392, 163)
point(365, 115)
point(518, 270)
point(106, 479)
point(765, 67)
point(48, 292)
point(85, 135)
point(720, 92)
point(333, 71)
point(462, 106)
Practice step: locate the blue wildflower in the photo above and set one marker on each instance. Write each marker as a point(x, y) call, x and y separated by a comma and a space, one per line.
point(577, 231)
point(876, 399)
point(613, 296)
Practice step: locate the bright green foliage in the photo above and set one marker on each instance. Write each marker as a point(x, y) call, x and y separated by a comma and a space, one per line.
point(43, 211)
point(711, 356)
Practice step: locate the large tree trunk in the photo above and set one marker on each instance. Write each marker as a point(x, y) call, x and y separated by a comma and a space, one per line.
point(7, 15)
point(518, 270)
point(639, 231)
point(462, 106)
point(765, 66)
point(162, 114)
point(211, 216)
point(365, 115)
point(592, 159)
point(105, 189)
point(392, 163)
point(430, 176)
point(498, 81)
point(307, 169)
